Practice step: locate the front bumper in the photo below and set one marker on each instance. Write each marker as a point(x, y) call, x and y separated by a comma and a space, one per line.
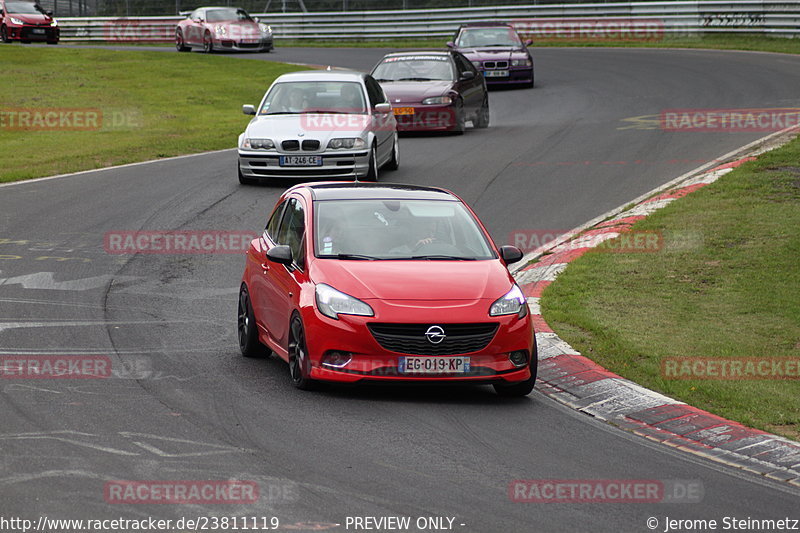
point(515, 75)
point(426, 118)
point(34, 33)
point(370, 361)
point(243, 45)
point(341, 164)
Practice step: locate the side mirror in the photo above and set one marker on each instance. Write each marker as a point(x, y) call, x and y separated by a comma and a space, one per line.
point(49, 14)
point(467, 75)
point(451, 44)
point(248, 110)
point(280, 254)
point(510, 254)
point(528, 42)
point(383, 108)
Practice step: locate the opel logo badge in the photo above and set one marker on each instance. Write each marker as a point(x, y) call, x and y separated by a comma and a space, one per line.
point(435, 334)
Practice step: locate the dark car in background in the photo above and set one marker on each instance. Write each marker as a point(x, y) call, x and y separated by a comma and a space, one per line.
point(222, 28)
point(27, 22)
point(433, 91)
point(497, 51)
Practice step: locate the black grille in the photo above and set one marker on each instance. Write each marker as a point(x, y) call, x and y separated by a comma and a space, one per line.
point(495, 64)
point(411, 339)
point(310, 144)
point(290, 145)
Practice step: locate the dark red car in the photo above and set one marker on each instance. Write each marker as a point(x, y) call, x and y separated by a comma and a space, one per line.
point(27, 22)
point(433, 91)
point(354, 282)
point(497, 51)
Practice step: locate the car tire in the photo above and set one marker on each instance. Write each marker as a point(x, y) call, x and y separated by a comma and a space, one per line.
point(372, 171)
point(299, 364)
point(52, 42)
point(208, 43)
point(394, 161)
point(247, 330)
point(242, 179)
point(4, 35)
point(523, 388)
point(180, 44)
point(482, 119)
point(25, 42)
point(460, 119)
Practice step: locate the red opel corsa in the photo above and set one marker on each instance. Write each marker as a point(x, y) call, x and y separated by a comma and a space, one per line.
point(356, 282)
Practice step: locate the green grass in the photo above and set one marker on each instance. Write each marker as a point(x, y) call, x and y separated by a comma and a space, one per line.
point(726, 284)
point(163, 104)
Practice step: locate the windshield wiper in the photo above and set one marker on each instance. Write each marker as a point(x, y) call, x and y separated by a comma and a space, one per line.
point(328, 112)
point(350, 256)
point(417, 79)
point(281, 113)
point(443, 257)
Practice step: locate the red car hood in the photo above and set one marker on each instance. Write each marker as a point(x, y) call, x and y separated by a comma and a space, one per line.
point(414, 91)
point(31, 19)
point(414, 280)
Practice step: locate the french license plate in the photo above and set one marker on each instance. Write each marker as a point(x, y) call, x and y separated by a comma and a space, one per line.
point(300, 161)
point(496, 73)
point(37, 30)
point(433, 365)
point(403, 110)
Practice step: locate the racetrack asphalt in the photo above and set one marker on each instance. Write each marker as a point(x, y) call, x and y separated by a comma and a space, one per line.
point(584, 141)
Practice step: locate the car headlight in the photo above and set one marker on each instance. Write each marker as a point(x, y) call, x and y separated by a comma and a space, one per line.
point(333, 303)
point(521, 62)
point(258, 144)
point(441, 100)
point(221, 30)
point(512, 303)
point(54, 23)
point(264, 28)
point(345, 143)
point(16, 21)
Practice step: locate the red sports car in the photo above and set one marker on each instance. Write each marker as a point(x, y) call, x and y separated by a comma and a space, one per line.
point(26, 22)
point(433, 91)
point(222, 28)
point(354, 282)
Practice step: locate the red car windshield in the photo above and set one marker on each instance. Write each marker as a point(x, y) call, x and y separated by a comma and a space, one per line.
point(398, 229)
point(228, 14)
point(484, 37)
point(415, 68)
point(24, 8)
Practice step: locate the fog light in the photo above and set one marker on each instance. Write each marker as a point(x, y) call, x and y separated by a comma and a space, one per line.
point(518, 358)
point(337, 359)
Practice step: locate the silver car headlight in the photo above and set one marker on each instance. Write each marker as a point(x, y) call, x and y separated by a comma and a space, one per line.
point(258, 144)
point(333, 303)
point(441, 100)
point(346, 143)
point(521, 62)
point(513, 302)
point(221, 30)
point(265, 28)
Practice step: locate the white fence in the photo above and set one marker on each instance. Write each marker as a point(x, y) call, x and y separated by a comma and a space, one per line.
point(635, 21)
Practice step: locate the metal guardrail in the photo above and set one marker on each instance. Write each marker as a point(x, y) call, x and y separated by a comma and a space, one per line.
point(633, 21)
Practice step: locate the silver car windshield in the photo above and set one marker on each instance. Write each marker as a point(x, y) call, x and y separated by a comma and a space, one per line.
point(314, 97)
point(414, 68)
point(398, 229)
point(478, 37)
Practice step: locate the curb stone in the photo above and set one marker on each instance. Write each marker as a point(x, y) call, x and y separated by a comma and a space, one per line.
point(578, 382)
